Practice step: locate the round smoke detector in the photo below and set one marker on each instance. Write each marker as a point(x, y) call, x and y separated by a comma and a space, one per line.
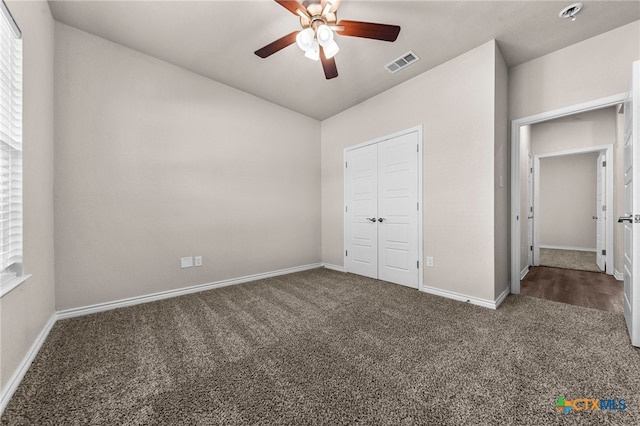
point(570, 11)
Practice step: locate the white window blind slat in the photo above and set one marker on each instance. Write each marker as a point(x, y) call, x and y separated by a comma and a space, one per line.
point(10, 147)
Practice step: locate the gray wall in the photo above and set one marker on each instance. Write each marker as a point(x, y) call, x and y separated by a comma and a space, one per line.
point(457, 104)
point(588, 70)
point(583, 130)
point(25, 311)
point(153, 163)
point(568, 201)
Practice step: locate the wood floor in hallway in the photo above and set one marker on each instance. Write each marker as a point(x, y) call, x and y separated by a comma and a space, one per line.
point(580, 288)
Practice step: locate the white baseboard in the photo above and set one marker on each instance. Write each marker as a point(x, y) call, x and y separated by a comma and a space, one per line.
point(568, 248)
point(524, 272)
point(618, 275)
point(8, 391)
point(86, 310)
point(485, 303)
point(333, 267)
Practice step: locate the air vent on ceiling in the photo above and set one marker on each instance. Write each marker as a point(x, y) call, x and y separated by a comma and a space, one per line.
point(402, 62)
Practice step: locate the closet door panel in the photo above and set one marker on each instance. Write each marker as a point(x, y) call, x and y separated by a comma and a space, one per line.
point(361, 188)
point(398, 210)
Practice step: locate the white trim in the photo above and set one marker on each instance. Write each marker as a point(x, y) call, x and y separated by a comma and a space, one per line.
point(618, 276)
point(18, 375)
point(420, 209)
point(333, 267)
point(524, 272)
point(536, 211)
point(99, 307)
point(515, 168)
point(419, 130)
point(587, 150)
point(12, 284)
point(8, 17)
point(544, 246)
point(485, 303)
point(594, 104)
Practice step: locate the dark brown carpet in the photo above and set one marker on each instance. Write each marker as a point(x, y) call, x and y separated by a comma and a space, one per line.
point(322, 347)
point(588, 289)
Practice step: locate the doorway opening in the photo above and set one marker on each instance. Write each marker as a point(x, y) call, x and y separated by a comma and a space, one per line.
point(535, 230)
point(573, 223)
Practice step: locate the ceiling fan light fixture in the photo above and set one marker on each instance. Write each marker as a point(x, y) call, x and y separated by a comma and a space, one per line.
point(331, 6)
point(324, 35)
point(330, 49)
point(305, 39)
point(313, 52)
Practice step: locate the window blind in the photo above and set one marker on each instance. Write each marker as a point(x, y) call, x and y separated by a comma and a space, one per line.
point(10, 147)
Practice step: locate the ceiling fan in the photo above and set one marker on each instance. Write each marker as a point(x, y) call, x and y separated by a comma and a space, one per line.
point(319, 21)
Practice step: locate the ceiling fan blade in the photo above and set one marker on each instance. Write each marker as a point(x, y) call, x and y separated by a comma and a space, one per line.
point(293, 6)
point(277, 45)
point(369, 30)
point(328, 65)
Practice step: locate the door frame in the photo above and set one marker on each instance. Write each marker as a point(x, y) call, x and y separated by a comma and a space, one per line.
point(608, 150)
point(516, 124)
point(530, 211)
point(417, 129)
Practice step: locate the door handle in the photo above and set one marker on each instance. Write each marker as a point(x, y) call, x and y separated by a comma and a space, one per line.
point(594, 217)
point(627, 218)
point(381, 219)
point(530, 217)
point(371, 219)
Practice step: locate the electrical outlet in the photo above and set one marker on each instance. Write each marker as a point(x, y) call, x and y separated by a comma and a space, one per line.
point(186, 262)
point(429, 262)
point(198, 261)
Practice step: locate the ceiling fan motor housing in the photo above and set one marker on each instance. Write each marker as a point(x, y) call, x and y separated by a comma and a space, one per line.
point(317, 18)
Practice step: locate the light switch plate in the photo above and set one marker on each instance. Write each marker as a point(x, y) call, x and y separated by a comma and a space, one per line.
point(186, 262)
point(198, 261)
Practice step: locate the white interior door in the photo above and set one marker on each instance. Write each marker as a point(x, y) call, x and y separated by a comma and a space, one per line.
point(382, 229)
point(530, 210)
point(361, 186)
point(631, 218)
point(398, 210)
point(601, 212)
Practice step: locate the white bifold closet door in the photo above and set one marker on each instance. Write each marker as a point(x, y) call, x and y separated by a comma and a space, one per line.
point(382, 233)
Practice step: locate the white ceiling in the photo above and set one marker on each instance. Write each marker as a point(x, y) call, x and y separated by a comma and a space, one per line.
point(217, 39)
